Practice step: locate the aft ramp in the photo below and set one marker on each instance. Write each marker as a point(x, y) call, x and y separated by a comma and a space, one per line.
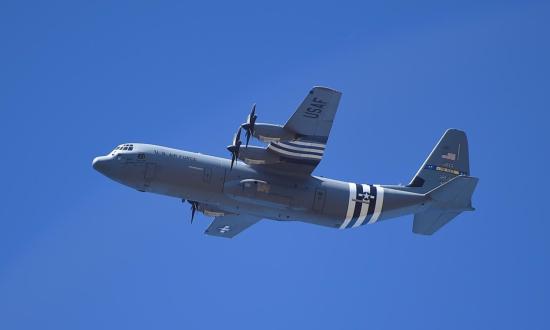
point(446, 202)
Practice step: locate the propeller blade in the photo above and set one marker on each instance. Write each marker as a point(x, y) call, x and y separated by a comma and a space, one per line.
point(194, 206)
point(253, 118)
point(238, 144)
point(247, 133)
point(238, 137)
point(235, 147)
point(253, 114)
point(249, 125)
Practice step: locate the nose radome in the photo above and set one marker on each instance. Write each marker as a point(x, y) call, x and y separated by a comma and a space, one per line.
point(95, 163)
point(99, 164)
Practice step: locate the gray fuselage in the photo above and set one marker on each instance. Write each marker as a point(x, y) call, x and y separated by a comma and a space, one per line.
point(252, 190)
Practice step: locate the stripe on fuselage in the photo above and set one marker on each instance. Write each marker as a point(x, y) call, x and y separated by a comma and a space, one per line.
point(351, 205)
point(378, 205)
point(358, 212)
point(358, 205)
point(364, 207)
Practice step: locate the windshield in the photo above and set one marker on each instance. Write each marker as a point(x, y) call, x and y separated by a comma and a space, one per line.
point(123, 147)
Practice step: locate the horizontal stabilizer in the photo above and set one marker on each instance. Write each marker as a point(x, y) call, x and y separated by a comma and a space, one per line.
point(427, 223)
point(447, 201)
point(456, 194)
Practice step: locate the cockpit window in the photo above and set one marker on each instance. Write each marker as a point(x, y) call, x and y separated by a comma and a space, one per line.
point(127, 146)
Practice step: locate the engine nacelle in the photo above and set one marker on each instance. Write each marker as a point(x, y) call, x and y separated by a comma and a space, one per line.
point(210, 211)
point(272, 133)
point(257, 155)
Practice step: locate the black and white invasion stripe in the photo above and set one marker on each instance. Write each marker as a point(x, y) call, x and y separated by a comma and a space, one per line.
point(304, 150)
point(359, 212)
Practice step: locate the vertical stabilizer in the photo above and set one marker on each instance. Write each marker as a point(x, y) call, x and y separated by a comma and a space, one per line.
point(447, 160)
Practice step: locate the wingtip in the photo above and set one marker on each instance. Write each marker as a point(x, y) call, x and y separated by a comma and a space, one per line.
point(325, 88)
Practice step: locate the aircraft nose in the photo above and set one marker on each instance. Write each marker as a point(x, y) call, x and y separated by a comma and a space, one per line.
point(99, 164)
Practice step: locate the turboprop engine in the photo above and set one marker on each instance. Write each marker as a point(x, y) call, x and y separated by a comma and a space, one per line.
point(265, 132)
point(272, 133)
point(257, 155)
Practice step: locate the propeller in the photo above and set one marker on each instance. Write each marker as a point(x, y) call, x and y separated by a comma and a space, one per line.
point(249, 125)
point(194, 207)
point(235, 147)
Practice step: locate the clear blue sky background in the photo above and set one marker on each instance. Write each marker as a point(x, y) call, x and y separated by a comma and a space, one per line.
point(78, 251)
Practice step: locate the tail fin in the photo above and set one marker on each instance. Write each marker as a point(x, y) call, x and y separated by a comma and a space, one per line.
point(447, 160)
point(447, 201)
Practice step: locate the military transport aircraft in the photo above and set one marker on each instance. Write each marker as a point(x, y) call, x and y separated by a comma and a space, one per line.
point(276, 182)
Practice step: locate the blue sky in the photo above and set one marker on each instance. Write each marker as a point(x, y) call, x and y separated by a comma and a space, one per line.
point(78, 251)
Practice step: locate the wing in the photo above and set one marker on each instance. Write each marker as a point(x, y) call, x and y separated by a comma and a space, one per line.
point(311, 123)
point(230, 225)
